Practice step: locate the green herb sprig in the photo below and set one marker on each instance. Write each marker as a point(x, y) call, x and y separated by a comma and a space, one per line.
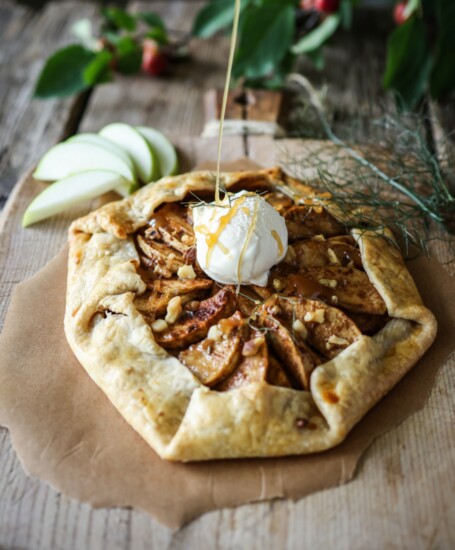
point(395, 178)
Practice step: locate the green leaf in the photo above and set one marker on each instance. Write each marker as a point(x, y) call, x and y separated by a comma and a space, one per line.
point(408, 62)
point(267, 33)
point(158, 34)
point(215, 16)
point(346, 14)
point(410, 8)
point(83, 31)
point(129, 55)
point(119, 19)
point(442, 79)
point(99, 70)
point(317, 58)
point(63, 73)
point(112, 37)
point(277, 79)
point(152, 19)
point(316, 38)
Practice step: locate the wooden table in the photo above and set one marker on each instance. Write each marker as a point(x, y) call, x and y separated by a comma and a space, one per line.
point(398, 498)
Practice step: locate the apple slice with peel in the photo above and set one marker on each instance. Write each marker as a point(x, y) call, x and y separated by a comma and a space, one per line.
point(136, 146)
point(165, 151)
point(68, 158)
point(96, 139)
point(116, 149)
point(71, 190)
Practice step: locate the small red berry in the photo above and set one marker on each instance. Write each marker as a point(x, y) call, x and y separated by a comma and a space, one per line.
point(327, 6)
point(399, 14)
point(307, 5)
point(154, 62)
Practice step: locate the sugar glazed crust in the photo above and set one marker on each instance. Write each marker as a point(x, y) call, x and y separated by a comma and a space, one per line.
point(166, 402)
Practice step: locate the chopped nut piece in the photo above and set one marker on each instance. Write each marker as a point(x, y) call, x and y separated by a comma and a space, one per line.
point(274, 310)
point(159, 325)
point(186, 272)
point(336, 341)
point(174, 309)
point(334, 299)
point(333, 257)
point(318, 238)
point(290, 255)
point(279, 284)
point(314, 316)
point(193, 305)
point(300, 328)
point(215, 333)
point(252, 346)
point(328, 282)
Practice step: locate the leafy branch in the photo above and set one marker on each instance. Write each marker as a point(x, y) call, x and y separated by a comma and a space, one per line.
point(124, 44)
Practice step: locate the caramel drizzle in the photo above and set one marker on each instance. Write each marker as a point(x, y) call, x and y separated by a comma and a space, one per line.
point(278, 242)
point(246, 241)
point(211, 239)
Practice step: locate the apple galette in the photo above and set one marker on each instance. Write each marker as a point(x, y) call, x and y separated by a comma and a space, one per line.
point(255, 325)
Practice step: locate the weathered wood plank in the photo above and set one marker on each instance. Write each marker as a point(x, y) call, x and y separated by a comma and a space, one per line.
point(30, 127)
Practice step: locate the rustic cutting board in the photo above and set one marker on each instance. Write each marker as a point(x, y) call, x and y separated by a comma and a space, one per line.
point(401, 496)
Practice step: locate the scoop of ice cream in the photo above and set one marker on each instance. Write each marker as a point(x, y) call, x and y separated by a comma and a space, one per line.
point(240, 239)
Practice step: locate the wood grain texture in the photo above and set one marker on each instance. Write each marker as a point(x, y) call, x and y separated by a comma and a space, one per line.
point(402, 495)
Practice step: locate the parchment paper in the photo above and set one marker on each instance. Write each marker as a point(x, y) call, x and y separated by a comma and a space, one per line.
point(67, 433)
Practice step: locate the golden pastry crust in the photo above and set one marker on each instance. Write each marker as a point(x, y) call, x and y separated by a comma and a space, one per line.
point(165, 403)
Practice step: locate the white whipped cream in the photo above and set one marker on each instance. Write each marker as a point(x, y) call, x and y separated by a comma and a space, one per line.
point(239, 240)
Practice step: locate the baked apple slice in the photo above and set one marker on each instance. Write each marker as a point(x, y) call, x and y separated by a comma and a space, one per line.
point(325, 328)
point(217, 356)
point(303, 222)
point(170, 225)
point(194, 325)
point(297, 357)
point(155, 301)
point(351, 287)
point(315, 253)
point(158, 258)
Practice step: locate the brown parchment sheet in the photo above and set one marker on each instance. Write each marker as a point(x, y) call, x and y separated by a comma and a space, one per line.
point(66, 432)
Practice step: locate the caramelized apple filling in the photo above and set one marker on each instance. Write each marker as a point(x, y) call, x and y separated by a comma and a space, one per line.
point(317, 302)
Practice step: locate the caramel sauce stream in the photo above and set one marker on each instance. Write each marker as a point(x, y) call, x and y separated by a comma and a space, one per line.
point(235, 27)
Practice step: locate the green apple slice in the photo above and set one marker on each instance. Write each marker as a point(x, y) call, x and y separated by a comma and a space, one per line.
point(136, 146)
point(165, 151)
point(68, 158)
point(71, 190)
point(96, 139)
